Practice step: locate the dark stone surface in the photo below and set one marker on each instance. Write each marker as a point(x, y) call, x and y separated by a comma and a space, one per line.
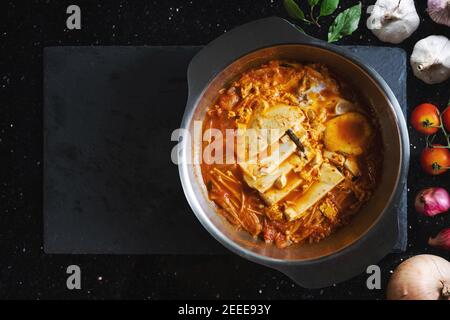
point(110, 184)
point(26, 272)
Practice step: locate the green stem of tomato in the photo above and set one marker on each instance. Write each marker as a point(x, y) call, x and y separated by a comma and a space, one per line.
point(427, 142)
point(446, 135)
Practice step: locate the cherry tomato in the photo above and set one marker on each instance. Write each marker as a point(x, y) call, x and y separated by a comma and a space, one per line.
point(425, 118)
point(435, 160)
point(446, 119)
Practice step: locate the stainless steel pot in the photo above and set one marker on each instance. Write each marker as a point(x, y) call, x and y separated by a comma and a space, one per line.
point(373, 231)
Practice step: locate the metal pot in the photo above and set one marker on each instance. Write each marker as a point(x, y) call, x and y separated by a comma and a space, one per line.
point(373, 231)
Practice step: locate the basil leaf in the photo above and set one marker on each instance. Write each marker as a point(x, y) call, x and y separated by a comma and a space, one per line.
point(345, 23)
point(294, 10)
point(328, 7)
point(312, 3)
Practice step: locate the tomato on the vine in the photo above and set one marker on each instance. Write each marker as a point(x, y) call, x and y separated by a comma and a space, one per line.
point(435, 160)
point(446, 119)
point(425, 118)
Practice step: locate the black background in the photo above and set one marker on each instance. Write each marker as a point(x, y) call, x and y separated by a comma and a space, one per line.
point(26, 27)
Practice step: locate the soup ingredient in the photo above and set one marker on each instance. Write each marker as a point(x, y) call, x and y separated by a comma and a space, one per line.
point(446, 118)
point(344, 106)
point(439, 11)
point(430, 59)
point(296, 140)
point(290, 189)
point(425, 118)
point(442, 240)
point(349, 133)
point(435, 159)
point(393, 20)
point(432, 201)
point(352, 165)
point(345, 23)
point(281, 182)
point(422, 277)
point(330, 177)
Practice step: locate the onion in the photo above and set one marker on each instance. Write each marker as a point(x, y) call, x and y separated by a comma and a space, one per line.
point(423, 277)
point(432, 201)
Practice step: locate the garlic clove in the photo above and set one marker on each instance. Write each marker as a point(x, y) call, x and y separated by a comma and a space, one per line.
point(430, 59)
point(344, 106)
point(392, 20)
point(351, 164)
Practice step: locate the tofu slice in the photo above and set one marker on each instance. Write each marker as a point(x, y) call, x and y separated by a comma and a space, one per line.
point(266, 164)
point(329, 178)
point(275, 152)
point(335, 158)
point(251, 142)
point(263, 182)
point(279, 116)
point(274, 195)
point(269, 124)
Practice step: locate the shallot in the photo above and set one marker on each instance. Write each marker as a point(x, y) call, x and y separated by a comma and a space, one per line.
point(432, 201)
point(423, 277)
point(442, 240)
point(439, 11)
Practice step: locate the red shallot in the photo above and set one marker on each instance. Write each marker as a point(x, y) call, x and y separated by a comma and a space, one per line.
point(442, 240)
point(432, 201)
point(439, 11)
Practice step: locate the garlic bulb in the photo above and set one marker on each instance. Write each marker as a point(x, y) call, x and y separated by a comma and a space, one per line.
point(439, 11)
point(393, 20)
point(430, 59)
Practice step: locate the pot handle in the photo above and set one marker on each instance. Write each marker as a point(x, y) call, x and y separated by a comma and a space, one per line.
point(235, 43)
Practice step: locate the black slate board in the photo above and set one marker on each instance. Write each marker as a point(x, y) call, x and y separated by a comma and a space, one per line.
point(109, 183)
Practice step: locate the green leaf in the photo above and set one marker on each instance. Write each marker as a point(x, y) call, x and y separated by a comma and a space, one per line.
point(328, 7)
point(294, 10)
point(345, 23)
point(312, 3)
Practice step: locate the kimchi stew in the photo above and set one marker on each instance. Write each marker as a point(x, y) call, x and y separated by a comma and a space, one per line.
point(312, 158)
